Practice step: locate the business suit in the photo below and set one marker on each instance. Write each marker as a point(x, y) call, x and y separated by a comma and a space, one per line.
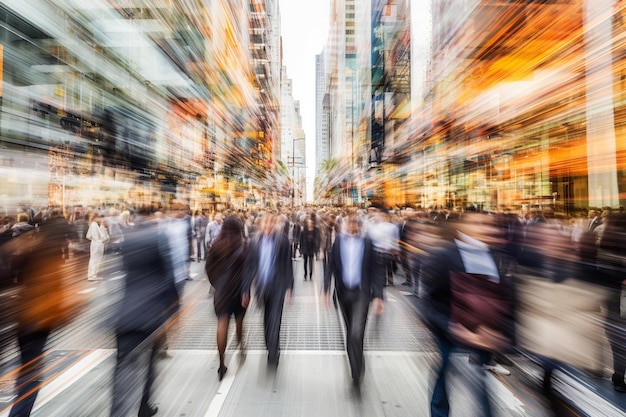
point(354, 297)
point(150, 299)
point(270, 288)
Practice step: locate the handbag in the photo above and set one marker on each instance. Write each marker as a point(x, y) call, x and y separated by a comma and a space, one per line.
point(481, 306)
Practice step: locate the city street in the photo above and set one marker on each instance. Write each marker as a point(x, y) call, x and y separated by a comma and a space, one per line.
point(312, 378)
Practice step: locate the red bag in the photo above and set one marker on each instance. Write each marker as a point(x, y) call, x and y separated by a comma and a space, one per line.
point(476, 301)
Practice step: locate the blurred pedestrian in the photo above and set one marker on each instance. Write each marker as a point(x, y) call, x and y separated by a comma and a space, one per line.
point(269, 269)
point(213, 230)
point(225, 272)
point(79, 245)
point(199, 230)
point(47, 301)
point(385, 237)
point(478, 324)
point(21, 226)
point(149, 302)
point(178, 229)
point(611, 262)
point(116, 235)
point(98, 235)
point(310, 241)
point(328, 238)
point(358, 281)
point(295, 232)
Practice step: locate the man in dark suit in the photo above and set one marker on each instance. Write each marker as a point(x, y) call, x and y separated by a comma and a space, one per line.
point(269, 268)
point(150, 299)
point(358, 280)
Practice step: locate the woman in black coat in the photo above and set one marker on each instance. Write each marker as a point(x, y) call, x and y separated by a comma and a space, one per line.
point(309, 246)
point(224, 268)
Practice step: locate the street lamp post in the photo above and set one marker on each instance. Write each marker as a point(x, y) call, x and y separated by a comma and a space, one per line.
point(293, 169)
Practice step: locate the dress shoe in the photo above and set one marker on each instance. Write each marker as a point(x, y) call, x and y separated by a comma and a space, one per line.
point(618, 383)
point(147, 410)
point(272, 361)
point(221, 372)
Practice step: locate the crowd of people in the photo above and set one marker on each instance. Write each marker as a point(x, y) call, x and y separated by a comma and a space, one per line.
point(491, 284)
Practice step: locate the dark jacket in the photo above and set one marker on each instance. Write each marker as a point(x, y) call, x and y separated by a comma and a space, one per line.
point(310, 241)
point(282, 272)
point(150, 296)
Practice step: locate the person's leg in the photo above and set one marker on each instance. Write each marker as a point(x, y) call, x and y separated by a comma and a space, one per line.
point(615, 331)
point(30, 376)
point(93, 261)
point(222, 337)
point(439, 404)
point(305, 259)
point(239, 329)
point(482, 393)
point(311, 259)
point(390, 263)
point(272, 321)
point(355, 337)
point(128, 377)
point(146, 408)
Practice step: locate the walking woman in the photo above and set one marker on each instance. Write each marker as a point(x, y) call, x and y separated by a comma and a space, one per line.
point(309, 246)
point(99, 236)
point(224, 268)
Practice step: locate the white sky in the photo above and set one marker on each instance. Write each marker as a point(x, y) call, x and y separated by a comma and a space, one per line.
point(304, 31)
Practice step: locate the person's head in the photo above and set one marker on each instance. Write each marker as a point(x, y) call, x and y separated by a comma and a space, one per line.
point(231, 227)
point(95, 217)
point(219, 218)
point(352, 226)
point(480, 226)
point(268, 223)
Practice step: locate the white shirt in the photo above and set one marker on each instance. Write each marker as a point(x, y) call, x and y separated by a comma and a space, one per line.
point(266, 258)
point(385, 236)
point(476, 257)
point(176, 232)
point(351, 248)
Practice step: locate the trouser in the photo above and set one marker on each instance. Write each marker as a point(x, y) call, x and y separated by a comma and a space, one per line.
point(354, 306)
point(308, 261)
point(200, 248)
point(30, 376)
point(135, 372)
point(439, 404)
point(615, 327)
point(385, 262)
point(272, 318)
point(96, 255)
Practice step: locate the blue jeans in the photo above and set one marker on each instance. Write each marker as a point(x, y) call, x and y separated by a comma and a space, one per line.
point(440, 404)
